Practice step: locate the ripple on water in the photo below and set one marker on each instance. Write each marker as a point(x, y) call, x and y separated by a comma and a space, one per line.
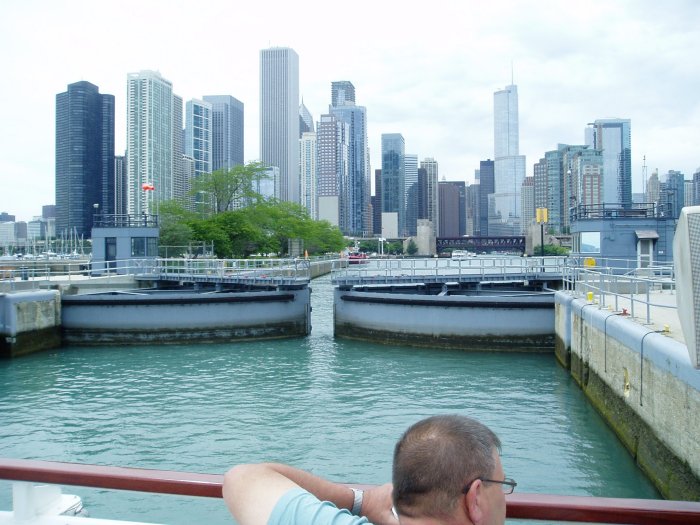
point(333, 406)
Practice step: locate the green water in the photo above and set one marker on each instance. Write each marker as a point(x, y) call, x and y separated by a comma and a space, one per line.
point(332, 406)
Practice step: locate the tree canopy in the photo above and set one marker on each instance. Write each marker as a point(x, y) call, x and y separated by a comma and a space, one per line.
point(222, 189)
point(263, 226)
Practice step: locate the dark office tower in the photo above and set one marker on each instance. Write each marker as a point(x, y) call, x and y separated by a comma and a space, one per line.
point(120, 185)
point(84, 157)
point(486, 187)
point(377, 202)
point(423, 193)
point(453, 208)
point(226, 130)
point(342, 93)
point(48, 211)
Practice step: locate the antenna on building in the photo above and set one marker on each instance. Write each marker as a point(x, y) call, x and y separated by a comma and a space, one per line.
point(512, 75)
point(644, 177)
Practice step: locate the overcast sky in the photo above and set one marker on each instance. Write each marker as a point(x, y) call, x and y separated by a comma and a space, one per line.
point(426, 70)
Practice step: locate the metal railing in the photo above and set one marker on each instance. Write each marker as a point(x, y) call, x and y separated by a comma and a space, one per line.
point(380, 271)
point(45, 274)
point(636, 289)
point(518, 505)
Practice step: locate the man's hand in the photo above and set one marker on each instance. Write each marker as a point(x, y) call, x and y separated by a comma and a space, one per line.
point(376, 505)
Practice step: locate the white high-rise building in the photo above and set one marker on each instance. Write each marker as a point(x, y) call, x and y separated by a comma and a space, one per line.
point(279, 117)
point(151, 141)
point(307, 172)
point(509, 165)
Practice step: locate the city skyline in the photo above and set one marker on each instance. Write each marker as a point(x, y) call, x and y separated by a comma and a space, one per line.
point(628, 60)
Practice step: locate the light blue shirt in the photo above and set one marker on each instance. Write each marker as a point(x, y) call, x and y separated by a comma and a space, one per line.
point(299, 507)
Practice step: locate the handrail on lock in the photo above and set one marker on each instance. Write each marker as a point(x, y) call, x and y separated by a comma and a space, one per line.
point(519, 505)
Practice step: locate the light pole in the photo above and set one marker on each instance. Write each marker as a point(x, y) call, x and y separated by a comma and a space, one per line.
point(542, 217)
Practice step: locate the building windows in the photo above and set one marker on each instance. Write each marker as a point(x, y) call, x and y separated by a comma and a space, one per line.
point(144, 246)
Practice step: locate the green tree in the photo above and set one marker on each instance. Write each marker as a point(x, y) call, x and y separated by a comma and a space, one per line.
point(393, 247)
point(550, 249)
point(175, 233)
point(223, 188)
point(207, 230)
point(412, 247)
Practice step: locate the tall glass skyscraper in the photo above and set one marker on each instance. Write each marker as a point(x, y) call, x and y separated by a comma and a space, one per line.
point(279, 116)
point(359, 182)
point(509, 166)
point(613, 137)
point(198, 135)
point(84, 157)
point(411, 191)
point(154, 133)
point(227, 131)
point(393, 195)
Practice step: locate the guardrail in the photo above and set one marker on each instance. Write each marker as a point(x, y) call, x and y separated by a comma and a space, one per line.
point(636, 289)
point(518, 505)
point(435, 269)
point(40, 274)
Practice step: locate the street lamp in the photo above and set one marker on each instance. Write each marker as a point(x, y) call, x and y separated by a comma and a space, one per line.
point(542, 217)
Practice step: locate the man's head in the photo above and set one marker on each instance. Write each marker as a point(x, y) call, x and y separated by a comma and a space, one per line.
point(437, 458)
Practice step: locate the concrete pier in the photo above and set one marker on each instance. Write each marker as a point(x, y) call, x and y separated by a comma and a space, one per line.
point(640, 378)
point(29, 321)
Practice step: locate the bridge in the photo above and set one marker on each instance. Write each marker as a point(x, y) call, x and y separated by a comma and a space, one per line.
point(512, 244)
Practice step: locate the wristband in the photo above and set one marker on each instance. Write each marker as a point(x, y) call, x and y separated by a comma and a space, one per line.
point(357, 501)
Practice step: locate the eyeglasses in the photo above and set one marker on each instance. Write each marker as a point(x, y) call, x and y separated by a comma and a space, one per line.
point(508, 485)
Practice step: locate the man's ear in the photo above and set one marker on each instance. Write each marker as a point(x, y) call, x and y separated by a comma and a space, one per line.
point(475, 501)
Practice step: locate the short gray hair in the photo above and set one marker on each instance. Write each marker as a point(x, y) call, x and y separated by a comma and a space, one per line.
point(435, 458)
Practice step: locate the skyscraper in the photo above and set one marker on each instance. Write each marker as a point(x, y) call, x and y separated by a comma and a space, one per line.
point(198, 135)
point(308, 172)
point(153, 138)
point(120, 184)
point(431, 197)
point(393, 196)
point(411, 191)
point(198, 144)
point(279, 117)
point(332, 170)
point(342, 93)
point(227, 137)
point(453, 208)
point(359, 182)
point(84, 157)
point(613, 138)
point(306, 120)
point(509, 165)
point(486, 185)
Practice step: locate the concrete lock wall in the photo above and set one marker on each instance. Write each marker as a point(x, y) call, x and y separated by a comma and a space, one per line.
point(29, 321)
point(644, 386)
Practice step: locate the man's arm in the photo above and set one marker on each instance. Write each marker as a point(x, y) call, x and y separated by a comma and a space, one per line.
point(251, 492)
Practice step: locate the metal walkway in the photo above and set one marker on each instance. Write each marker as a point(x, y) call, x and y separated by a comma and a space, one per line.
point(477, 269)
